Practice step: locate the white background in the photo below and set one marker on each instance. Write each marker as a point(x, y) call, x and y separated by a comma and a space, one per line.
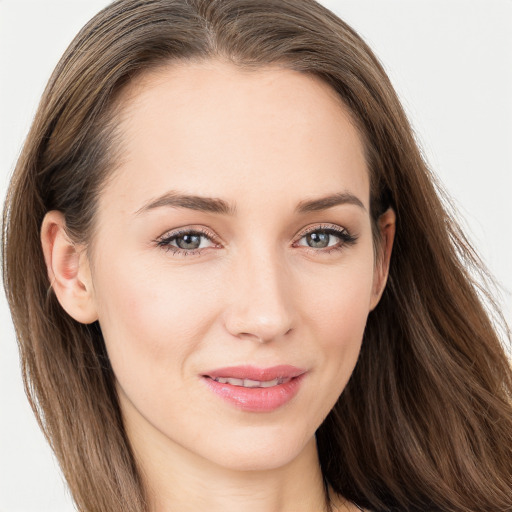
point(451, 63)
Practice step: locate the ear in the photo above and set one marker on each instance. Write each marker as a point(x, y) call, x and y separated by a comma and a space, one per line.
point(387, 227)
point(68, 269)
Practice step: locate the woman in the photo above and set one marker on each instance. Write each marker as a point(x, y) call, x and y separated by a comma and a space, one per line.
point(249, 295)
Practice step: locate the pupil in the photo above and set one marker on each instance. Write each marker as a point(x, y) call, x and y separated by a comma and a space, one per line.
point(318, 240)
point(188, 241)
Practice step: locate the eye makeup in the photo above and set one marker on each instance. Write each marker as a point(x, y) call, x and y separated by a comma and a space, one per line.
point(325, 239)
point(317, 239)
point(188, 241)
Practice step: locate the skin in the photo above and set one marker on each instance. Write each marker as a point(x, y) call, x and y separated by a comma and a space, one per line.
point(254, 293)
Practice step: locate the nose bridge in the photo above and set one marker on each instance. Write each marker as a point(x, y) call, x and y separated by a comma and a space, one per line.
point(261, 305)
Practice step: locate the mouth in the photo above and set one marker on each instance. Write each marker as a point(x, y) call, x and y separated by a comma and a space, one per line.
point(254, 389)
point(249, 383)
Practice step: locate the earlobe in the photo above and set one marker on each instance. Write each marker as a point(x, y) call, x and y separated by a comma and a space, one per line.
point(387, 227)
point(68, 269)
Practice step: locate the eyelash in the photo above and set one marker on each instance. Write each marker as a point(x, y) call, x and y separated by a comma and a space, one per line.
point(346, 239)
point(165, 241)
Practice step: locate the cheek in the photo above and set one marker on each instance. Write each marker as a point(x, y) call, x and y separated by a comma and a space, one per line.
point(338, 300)
point(337, 312)
point(159, 323)
point(151, 322)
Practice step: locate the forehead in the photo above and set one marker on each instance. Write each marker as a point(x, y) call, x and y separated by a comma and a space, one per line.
point(211, 128)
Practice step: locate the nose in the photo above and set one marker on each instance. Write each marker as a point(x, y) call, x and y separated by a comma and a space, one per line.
point(261, 299)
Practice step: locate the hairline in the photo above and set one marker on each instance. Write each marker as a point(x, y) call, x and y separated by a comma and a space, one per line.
point(117, 111)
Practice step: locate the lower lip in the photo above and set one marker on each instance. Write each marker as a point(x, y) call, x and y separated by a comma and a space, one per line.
point(256, 399)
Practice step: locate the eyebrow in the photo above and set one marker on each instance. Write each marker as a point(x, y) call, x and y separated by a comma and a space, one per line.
point(219, 206)
point(199, 203)
point(324, 203)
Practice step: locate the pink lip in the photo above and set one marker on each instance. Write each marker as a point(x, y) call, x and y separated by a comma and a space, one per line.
point(256, 399)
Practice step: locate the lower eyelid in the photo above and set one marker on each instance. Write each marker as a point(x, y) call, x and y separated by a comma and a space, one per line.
point(342, 234)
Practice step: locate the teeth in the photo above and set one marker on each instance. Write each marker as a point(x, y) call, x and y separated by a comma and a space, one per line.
point(233, 382)
point(269, 383)
point(249, 383)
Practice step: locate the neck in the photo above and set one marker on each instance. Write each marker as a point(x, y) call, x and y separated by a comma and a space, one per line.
point(176, 479)
point(201, 485)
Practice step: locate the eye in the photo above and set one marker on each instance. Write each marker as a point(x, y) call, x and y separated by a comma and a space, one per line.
point(319, 239)
point(326, 237)
point(186, 241)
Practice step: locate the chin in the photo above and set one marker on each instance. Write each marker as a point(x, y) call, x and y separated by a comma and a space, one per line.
point(260, 452)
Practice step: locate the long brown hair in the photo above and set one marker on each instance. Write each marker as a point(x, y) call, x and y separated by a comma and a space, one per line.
point(425, 422)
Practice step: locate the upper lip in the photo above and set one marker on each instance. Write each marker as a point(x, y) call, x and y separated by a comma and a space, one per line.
point(255, 373)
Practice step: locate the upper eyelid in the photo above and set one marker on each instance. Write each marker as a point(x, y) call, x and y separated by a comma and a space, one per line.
point(320, 227)
point(165, 240)
point(175, 233)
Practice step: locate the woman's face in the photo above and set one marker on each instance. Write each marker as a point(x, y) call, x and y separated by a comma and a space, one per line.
point(233, 266)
